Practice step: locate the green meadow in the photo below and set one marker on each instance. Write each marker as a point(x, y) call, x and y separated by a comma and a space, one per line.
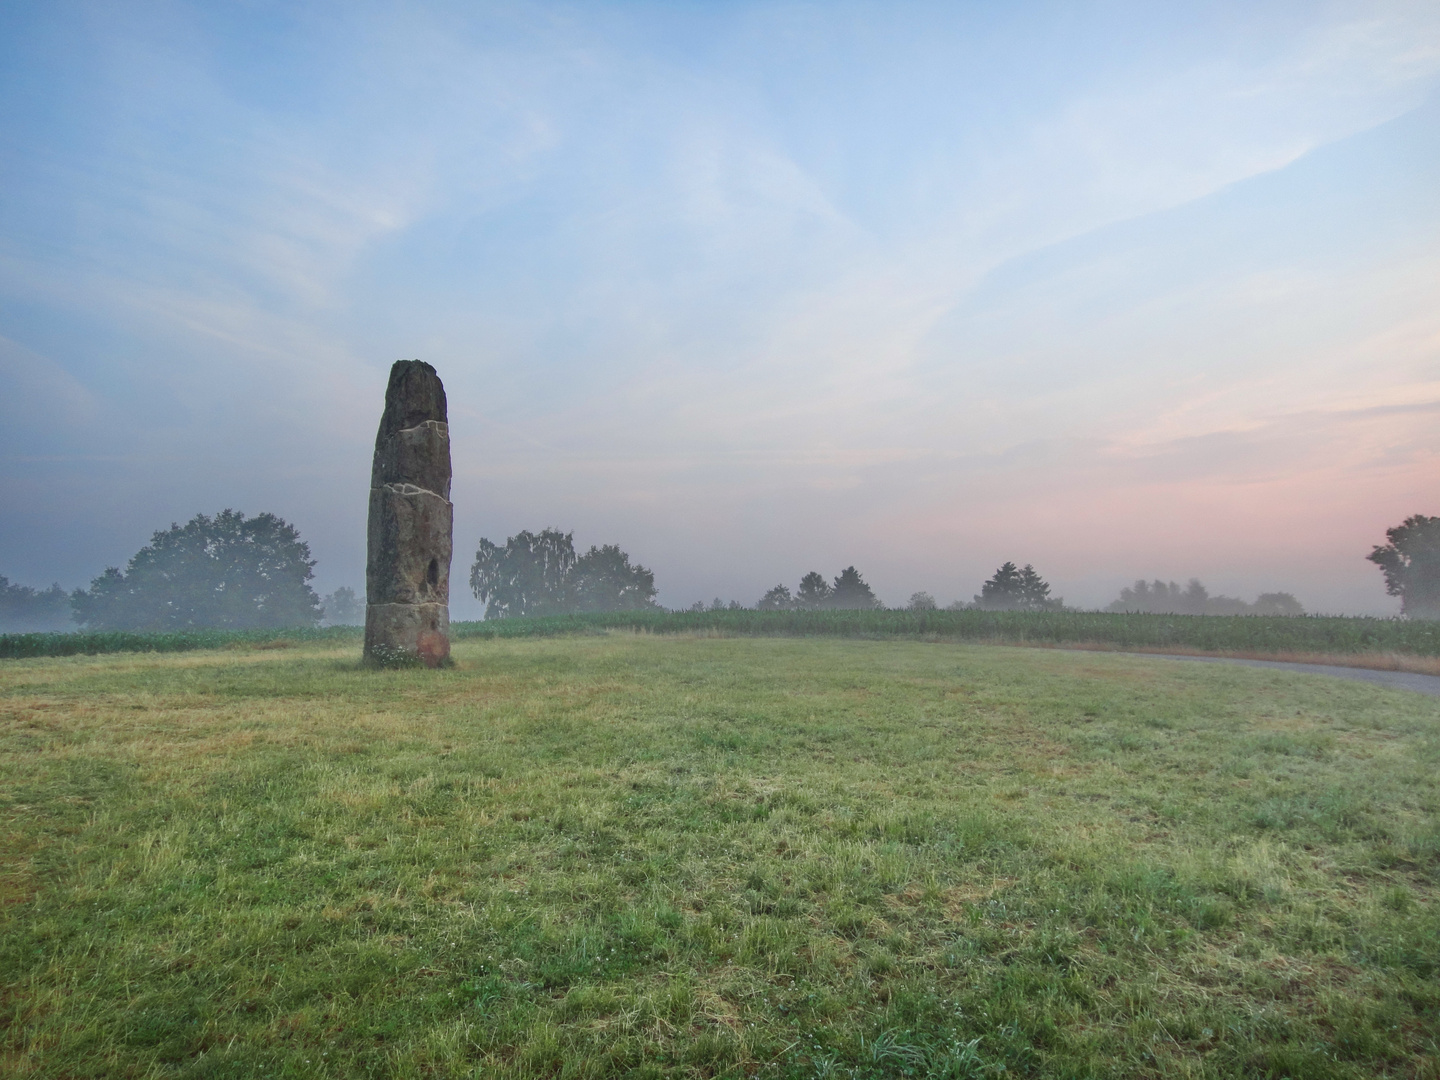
point(649, 855)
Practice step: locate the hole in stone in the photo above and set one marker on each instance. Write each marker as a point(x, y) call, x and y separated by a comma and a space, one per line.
point(432, 573)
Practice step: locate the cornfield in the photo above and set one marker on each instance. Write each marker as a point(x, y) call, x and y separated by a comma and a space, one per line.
point(1254, 634)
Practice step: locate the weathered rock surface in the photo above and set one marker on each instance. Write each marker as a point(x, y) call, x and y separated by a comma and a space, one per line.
point(410, 535)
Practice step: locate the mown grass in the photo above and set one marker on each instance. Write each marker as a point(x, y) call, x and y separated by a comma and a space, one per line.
point(670, 856)
point(1249, 634)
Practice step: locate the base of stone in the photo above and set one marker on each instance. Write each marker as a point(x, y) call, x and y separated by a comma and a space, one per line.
point(396, 633)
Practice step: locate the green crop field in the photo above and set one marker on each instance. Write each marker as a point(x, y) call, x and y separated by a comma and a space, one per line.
point(670, 855)
point(1413, 643)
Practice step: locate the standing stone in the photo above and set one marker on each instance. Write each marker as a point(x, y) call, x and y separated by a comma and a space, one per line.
point(410, 535)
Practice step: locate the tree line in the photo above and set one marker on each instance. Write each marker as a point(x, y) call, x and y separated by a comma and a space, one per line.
point(230, 571)
point(1167, 598)
point(27, 610)
point(848, 592)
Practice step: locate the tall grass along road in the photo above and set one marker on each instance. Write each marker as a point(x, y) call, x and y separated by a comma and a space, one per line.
point(704, 856)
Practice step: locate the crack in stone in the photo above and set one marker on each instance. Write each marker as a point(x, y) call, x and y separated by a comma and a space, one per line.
point(410, 489)
point(439, 425)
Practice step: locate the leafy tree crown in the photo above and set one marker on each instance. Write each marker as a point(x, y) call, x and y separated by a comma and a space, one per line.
point(540, 574)
point(776, 599)
point(1015, 588)
point(27, 610)
point(1167, 598)
point(814, 592)
point(604, 579)
point(851, 592)
point(1411, 565)
point(344, 608)
point(226, 571)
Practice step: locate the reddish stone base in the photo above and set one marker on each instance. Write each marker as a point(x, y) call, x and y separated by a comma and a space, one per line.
point(395, 633)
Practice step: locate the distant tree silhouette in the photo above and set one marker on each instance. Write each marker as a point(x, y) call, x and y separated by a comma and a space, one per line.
point(228, 571)
point(1277, 603)
point(921, 601)
point(1167, 598)
point(1016, 589)
point(1411, 565)
point(604, 579)
point(814, 592)
point(1196, 600)
point(851, 593)
point(525, 576)
point(1163, 598)
point(540, 574)
point(344, 608)
point(24, 610)
point(776, 599)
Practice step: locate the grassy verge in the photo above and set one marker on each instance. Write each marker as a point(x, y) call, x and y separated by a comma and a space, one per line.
point(1376, 642)
point(670, 856)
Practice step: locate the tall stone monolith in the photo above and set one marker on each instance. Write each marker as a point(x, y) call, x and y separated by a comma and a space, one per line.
point(410, 535)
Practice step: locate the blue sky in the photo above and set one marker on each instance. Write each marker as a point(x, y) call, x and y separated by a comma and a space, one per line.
point(1118, 289)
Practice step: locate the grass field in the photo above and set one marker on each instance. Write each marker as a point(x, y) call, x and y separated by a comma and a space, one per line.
point(707, 856)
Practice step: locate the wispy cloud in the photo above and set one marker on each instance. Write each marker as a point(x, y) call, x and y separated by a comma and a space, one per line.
point(870, 283)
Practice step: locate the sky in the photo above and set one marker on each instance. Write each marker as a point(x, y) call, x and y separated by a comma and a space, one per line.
point(1120, 290)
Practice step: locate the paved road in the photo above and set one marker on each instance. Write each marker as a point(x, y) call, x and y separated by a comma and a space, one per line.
point(1395, 680)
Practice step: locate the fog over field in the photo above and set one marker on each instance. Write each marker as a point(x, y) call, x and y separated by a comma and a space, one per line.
point(1118, 290)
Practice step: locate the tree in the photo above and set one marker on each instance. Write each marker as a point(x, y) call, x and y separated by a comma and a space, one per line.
point(1226, 605)
point(1166, 598)
point(344, 608)
point(921, 601)
point(1147, 598)
point(777, 599)
point(851, 593)
point(525, 577)
point(603, 579)
point(1411, 565)
point(24, 610)
point(1277, 603)
point(1015, 589)
point(1162, 598)
point(814, 592)
point(228, 571)
point(539, 574)
point(1002, 591)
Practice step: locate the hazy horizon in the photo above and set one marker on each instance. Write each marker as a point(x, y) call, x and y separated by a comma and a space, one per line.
point(748, 289)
